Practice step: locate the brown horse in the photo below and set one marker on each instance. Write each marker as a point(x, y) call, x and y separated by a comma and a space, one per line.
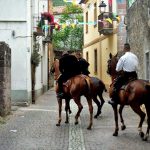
point(74, 88)
point(98, 87)
point(135, 93)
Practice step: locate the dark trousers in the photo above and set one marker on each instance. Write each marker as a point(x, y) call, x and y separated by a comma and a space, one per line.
point(63, 78)
point(122, 80)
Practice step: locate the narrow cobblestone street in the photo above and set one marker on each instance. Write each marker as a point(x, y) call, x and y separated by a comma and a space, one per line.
point(34, 128)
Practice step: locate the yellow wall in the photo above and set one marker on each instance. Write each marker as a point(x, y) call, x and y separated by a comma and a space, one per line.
point(104, 45)
point(91, 29)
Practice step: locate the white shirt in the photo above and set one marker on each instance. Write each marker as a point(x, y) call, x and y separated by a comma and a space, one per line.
point(128, 62)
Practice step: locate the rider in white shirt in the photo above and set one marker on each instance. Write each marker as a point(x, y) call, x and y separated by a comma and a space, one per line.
point(128, 63)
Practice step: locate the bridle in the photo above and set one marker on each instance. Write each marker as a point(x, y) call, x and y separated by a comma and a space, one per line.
point(109, 67)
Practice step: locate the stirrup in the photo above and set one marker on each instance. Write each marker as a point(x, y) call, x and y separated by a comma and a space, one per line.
point(112, 102)
point(60, 95)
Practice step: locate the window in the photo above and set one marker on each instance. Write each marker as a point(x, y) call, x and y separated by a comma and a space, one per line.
point(95, 61)
point(95, 14)
point(87, 56)
point(86, 27)
point(147, 65)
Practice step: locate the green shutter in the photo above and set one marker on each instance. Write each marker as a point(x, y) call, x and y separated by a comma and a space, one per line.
point(58, 3)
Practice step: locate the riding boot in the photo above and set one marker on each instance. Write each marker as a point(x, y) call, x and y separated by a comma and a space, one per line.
point(114, 99)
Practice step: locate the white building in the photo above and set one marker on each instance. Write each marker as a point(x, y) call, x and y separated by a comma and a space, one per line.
point(17, 24)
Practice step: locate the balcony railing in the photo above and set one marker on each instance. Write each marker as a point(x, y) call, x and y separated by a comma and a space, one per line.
point(105, 23)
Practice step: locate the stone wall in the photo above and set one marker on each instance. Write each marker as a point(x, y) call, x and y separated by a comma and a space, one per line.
point(138, 31)
point(5, 79)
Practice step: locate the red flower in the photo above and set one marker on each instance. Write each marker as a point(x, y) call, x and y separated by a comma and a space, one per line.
point(48, 16)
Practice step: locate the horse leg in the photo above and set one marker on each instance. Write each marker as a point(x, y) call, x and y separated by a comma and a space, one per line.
point(89, 100)
point(80, 107)
point(60, 109)
point(136, 108)
point(116, 120)
point(67, 108)
point(123, 127)
point(98, 106)
point(102, 101)
point(148, 122)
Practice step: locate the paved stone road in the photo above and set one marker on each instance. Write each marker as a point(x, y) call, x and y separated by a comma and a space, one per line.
point(34, 128)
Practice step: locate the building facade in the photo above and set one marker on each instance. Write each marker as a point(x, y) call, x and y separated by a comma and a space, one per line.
point(17, 26)
point(99, 42)
point(138, 32)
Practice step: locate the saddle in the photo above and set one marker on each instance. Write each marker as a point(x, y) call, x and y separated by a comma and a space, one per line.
point(68, 82)
point(123, 87)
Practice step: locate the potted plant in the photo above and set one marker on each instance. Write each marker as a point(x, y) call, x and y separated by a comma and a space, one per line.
point(35, 60)
point(40, 25)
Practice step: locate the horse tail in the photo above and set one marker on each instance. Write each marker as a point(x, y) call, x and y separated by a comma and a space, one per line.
point(102, 85)
point(105, 89)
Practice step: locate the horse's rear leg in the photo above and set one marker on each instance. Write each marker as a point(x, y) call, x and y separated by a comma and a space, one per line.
point(80, 107)
point(116, 120)
point(136, 108)
point(102, 101)
point(89, 100)
point(123, 127)
point(67, 108)
point(98, 106)
point(59, 109)
point(148, 122)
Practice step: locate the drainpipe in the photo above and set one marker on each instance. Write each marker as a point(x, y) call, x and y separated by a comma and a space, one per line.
point(48, 57)
point(100, 45)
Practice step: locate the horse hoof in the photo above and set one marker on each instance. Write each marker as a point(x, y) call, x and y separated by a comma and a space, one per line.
point(145, 139)
point(76, 123)
point(58, 124)
point(115, 134)
point(95, 116)
point(123, 127)
point(141, 134)
point(66, 122)
point(89, 128)
point(70, 111)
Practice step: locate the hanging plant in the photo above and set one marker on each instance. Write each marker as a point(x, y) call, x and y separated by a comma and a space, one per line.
point(35, 57)
point(41, 23)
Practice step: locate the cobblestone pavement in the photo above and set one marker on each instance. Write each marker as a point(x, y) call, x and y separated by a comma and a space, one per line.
point(34, 128)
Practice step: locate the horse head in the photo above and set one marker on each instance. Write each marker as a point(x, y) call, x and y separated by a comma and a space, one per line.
point(111, 65)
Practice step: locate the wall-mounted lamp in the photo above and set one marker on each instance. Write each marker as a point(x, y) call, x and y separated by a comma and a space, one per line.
point(102, 7)
point(13, 33)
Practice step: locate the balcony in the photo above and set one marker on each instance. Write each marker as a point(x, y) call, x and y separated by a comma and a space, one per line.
point(38, 32)
point(105, 23)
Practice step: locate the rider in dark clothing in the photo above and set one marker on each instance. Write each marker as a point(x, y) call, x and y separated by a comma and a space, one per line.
point(69, 67)
point(83, 64)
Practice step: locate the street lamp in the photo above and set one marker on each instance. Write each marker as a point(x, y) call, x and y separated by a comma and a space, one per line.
point(102, 7)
